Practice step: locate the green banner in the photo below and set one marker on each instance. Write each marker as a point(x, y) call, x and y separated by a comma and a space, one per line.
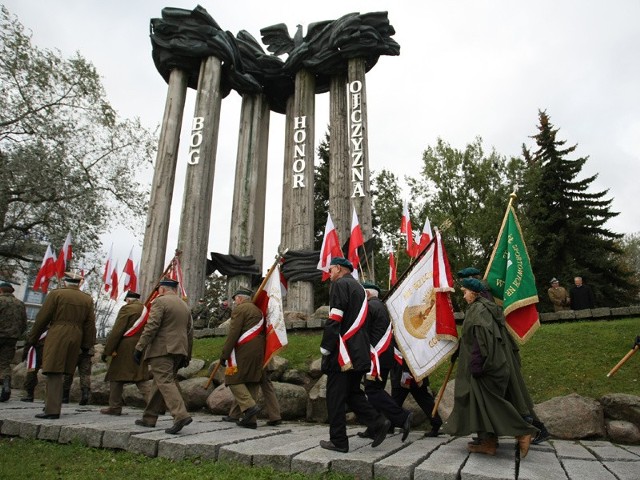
point(509, 273)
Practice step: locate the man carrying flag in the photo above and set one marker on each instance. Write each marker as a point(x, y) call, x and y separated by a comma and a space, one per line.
point(345, 359)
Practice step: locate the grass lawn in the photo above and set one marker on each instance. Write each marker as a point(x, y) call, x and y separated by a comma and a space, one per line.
point(560, 358)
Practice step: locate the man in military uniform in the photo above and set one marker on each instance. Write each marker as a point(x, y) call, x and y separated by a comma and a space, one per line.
point(345, 359)
point(166, 342)
point(122, 368)
point(68, 314)
point(200, 314)
point(84, 372)
point(13, 323)
point(243, 355)
point(558, 296)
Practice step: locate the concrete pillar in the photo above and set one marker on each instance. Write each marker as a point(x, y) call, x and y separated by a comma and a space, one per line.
point(193, 236)
point(249, 194)
point(154, 246)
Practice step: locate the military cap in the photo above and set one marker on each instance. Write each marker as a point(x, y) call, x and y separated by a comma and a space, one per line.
point(468, 272)
point(370, 286)
point(554, 280)
point(7, 286)
point(131, 294)
point(473, 284)
point(242, 291)
point(343, 262)
point(72, 277)
point(169, 282)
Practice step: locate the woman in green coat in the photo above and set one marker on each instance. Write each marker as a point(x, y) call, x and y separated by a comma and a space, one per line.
point(485, 366)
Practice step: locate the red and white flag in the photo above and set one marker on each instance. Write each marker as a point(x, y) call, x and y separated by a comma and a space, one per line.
point(114, 282)
point(269, 300)
point(422, 314)
point(393, 270)
point(108, 271)
point(63, 257)
point(46, 272)
point(355, 242)
point(425, 237)
point(130, 276)
point(330, 248)
point(405, 227)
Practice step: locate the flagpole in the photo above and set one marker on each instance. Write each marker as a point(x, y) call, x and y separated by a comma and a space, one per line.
point(623, 361)
point(512, 197)
point(441, 392)
point(166, 271)
point(279, 255)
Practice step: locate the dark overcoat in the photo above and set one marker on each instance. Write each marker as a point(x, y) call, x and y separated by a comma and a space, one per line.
point(69, 316)
point(122, 367)
point(377, 323)
point(250, 355)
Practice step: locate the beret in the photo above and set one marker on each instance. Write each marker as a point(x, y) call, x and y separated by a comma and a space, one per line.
point(169, 282)
point(370, 286)
point(7, 285)
point(343, 262)
point(242, 291)
point(473, 284)
point(468, 272)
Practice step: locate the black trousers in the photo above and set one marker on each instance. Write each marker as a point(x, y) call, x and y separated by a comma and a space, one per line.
point(383, 402)
point(343, 389)
point(422, 397)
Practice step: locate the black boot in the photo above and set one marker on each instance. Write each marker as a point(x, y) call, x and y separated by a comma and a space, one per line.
point(28, 397)
point(6, 389)
point(84, 397)
point(65, 395)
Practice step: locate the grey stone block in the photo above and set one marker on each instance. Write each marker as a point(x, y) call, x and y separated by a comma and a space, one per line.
point(620, 312)
point(581, 314)
point(601, 312)
point(445, 463)
point(606, 451)
point(81, 434)
point(549, 317)
point(540, 464)
point(279, 457)
point(634, 310)
point(567, 449)
point(500, 467)
point(624, 470)
point(586, 470)
point(566, 315)
point(400, 465)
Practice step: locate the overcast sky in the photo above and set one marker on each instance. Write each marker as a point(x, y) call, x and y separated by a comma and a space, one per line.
point(466, 68)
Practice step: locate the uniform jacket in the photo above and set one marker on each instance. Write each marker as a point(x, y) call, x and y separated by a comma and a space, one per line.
point(69, 316)
point(377, 323)
point(250, 355)
point(13, 316)
point(559, 298)
point(346, 295)
point(168, 330)
point(122, 367)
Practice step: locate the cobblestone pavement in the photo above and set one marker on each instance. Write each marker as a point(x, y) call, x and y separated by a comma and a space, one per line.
point(293, 446)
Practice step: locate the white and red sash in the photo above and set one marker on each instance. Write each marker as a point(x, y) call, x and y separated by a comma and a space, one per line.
point(253, 332)
point(344, 360)
point(31, 354)
point(378, 350)
point(406, 379)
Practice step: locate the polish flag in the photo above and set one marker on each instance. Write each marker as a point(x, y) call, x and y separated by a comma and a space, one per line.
point(269, 301)
point(130, 276)
point(425, 237)
point(355, 242)
point(108, 271)
point(46, 272)
point(114, 282)
point(405, 227)
point(63, 257)
point(393, 271)
point(330, 248)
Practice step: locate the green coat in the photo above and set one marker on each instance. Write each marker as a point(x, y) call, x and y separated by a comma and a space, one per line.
point(482, 405)
point(13, 316)
point(69, 316)
point(122, 367)
point(250, 355)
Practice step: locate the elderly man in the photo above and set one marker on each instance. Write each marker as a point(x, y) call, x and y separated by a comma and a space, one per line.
point(68, 314)
point(123, 369)
point(13, 323)
point(345, 359)
point(378, 326)
point(581, 295)
point(165, 343)
point(243, 355)
point(558, 296)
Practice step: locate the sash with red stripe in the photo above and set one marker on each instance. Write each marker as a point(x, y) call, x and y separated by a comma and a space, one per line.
point(246, 337)
point(31, 354)
point(378, 350)
point(344, 360)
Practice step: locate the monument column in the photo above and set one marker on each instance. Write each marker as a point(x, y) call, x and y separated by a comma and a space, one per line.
point(154, 246)
point(195, 219)
point(297, 219)
point(249, 194)
point(360, 184)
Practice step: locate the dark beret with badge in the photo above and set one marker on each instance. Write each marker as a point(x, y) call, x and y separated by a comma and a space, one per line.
point(242, 291)
point(343, 262)
point(370, 286)
point(473, 284)
point(468, 272)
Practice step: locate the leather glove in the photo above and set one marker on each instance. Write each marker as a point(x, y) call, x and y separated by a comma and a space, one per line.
point(637, 344)
point(137, 356)
point(103, 357)
point(223, 362)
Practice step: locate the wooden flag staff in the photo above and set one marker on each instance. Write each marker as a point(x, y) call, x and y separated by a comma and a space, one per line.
point(624, 359)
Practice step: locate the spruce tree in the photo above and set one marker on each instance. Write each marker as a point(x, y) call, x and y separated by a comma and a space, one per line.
point(565, 223)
